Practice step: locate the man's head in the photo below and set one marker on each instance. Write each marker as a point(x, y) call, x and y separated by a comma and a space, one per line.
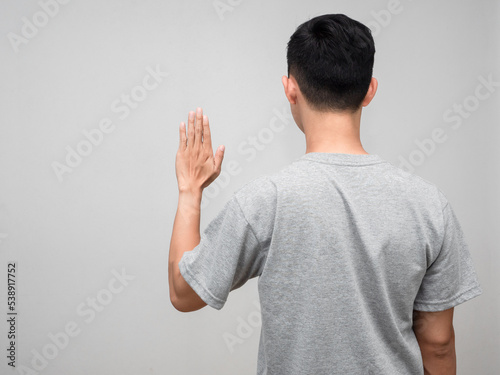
point(330, 58)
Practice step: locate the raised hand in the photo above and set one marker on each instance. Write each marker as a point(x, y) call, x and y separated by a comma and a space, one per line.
point(195, 164)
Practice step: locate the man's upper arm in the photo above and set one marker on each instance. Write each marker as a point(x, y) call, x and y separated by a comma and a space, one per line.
point(233, 247)
point(451, 278)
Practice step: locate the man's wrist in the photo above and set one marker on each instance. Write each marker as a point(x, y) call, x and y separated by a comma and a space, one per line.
point(191, 196)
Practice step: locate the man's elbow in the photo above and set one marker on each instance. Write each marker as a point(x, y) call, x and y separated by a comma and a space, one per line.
point(180, 308)
point(442, 348)
point(178, 305)
point(182, 296)
point(176, 302)
point(439, 338)
point(186, 305)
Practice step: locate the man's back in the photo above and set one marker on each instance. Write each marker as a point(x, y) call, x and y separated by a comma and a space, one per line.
point(346, 246)
point(353, 238)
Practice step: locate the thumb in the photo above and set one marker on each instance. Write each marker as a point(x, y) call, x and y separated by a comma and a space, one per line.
point(219, 156)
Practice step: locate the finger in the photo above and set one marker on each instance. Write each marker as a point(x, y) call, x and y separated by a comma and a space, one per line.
point(219, 156)
point(190, 129)
point(183, 138)
point(207, 139)
point(198, 128)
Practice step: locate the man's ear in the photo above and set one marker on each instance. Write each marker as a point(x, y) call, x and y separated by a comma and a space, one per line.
point(288, 86)
point(372, 89)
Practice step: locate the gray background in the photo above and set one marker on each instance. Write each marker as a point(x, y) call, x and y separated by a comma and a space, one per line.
point(115, 210)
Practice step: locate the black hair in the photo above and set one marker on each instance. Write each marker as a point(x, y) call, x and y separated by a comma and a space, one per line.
point(331, 57)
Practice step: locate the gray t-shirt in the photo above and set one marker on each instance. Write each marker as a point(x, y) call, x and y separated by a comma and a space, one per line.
point(346, 246)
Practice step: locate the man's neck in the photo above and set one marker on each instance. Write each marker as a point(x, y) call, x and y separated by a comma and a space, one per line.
point(333, 132)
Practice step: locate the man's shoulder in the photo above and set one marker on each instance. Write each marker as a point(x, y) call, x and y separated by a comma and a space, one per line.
point(258, 189)
point(263, 190)
point(404, 175)
point(266, 185)
point(418, 185)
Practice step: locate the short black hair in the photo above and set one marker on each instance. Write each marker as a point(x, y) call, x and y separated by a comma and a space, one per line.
point(331, 57)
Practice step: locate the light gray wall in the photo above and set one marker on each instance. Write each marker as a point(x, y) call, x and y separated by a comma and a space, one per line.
point(115, 209)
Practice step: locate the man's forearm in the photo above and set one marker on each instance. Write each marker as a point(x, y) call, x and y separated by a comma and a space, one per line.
point(185, 233)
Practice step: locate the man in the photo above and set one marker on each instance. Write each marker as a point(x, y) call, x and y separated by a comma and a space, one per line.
point(360, 263)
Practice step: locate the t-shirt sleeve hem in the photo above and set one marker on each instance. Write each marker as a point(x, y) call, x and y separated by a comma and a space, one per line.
point(444, 305)
point(200, 289)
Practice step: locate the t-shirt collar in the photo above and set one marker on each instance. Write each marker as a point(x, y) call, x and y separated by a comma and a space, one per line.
point(342, 159)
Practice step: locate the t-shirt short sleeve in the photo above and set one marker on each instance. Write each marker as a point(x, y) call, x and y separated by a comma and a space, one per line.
point(228, 255)
point(451, 279)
